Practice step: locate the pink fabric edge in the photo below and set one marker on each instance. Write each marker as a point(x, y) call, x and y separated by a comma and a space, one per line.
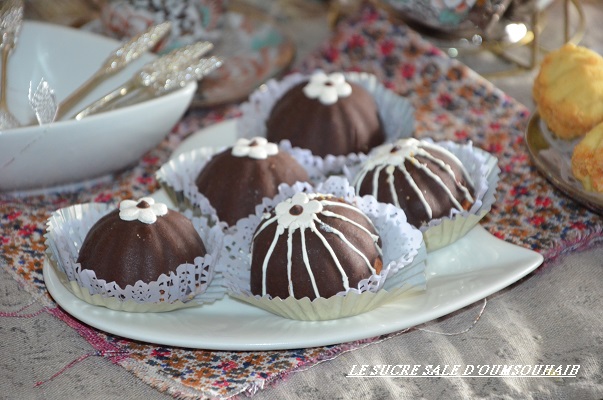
point(90, 335)
point(579, 244)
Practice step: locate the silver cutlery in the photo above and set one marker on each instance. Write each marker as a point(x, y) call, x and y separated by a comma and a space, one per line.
point(169, 72)
point(11, 19)
point(117, 61)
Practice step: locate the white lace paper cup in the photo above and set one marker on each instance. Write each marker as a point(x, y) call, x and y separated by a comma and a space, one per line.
point(403, 272)
point(396, 112)
point(191, 285)
point(483, 169)
point(177, 176)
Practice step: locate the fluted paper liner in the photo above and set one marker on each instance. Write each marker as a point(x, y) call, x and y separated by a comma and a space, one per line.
point(191, 285)
point(403, 248)
point(483, 169)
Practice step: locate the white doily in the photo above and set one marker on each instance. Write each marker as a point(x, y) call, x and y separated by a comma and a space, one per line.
point(396, 112)
point(66, 231)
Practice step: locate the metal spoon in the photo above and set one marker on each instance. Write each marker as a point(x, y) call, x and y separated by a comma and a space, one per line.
point(166, 73)
point(11, 18)
point(117, 61)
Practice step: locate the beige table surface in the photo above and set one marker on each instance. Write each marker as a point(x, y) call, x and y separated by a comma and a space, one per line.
point(553, 317)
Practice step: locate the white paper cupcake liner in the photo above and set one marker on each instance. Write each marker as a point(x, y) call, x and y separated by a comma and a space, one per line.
point(403, 259)
point(192, 284)
point(396, 112)
point(483, 169)
point(177, 176)
point(484, 172)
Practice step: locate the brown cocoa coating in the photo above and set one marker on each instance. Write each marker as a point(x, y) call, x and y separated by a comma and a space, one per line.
point(438, 200)
point(235, 185)
point(129, 251)
point(351, 125)
point(327, 275)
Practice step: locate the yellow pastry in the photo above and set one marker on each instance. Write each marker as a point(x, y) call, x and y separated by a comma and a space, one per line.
point(587, 160)
point(568, 91)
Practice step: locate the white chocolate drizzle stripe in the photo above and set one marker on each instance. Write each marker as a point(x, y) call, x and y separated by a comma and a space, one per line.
point(307, 262)
point(376, 181)
point(452, 175)
point(356, 224)
point(448, 168)
point(350, 245)
point(349, 207)
point(267, 259)
point(455, 160)
point(344, 276)
point(390, 181)
point(417, 190)
point(437, 179)
point(264, 225)
point(289, 253)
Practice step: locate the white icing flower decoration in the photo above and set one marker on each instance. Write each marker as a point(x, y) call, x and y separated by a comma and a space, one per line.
point(327, 88)
point(258, 148)
point(297, 212)
point(145, 210)
point(394, 153)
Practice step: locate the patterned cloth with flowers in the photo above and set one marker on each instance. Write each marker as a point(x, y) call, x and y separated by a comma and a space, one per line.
point(451, 102)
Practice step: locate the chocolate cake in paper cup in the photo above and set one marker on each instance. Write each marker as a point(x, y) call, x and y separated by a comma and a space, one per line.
point(226, 184)
point(131, 258)
point(326, 109)
point(310, 253)
point(445, 188)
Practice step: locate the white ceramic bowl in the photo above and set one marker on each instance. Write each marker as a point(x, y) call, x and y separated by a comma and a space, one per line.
point(64, 152)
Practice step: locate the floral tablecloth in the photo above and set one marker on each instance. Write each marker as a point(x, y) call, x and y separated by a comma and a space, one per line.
point(452, 102)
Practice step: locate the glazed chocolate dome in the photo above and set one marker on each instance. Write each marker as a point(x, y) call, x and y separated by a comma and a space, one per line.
point(139, 242)
point(423, 179)
point(313, 246)
point(327, 115)
point(237, 179)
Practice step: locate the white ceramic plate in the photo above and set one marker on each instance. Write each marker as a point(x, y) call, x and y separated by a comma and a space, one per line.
point(221, 134)
point(469, 270)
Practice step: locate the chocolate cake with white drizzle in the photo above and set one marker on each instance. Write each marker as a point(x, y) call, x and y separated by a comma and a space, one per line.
point(423, 179)
point(313, 245)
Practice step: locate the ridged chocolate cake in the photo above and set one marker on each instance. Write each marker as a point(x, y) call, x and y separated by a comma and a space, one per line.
point(313, 246)
point(138, 242)
point(327, 115)
point(237, 179)
point(425, 180)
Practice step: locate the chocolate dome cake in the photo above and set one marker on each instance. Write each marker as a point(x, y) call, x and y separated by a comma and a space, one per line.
point(139, 242)
point(423, 179)
point(312, 246)
point(237, 179)
point(327, 115)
